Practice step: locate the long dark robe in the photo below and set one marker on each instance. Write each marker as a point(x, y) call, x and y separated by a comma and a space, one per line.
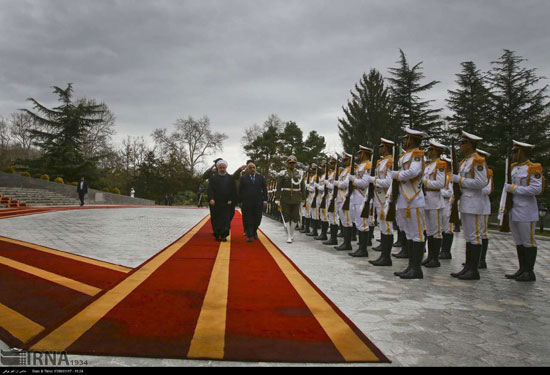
point(222, 189)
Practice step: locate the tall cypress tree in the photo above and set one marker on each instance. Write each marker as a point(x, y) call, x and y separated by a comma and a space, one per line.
point(66, 127)
point(520, 108)
point(470, 103)
point(368, 115)
point(411, 110)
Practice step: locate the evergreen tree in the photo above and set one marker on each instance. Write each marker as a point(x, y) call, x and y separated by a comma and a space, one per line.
point(470, 104)
point(368, 115)
point(410, 109)
point(520, 109)
point(313, 148)
point(292, 140)
point(265, 147)
point(64, 136)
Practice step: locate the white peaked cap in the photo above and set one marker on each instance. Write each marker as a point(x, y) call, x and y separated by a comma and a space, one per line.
point(386, 141)
point(471, 137)
point(438, 145)
point(446, 158)
point(522, 145)
point(483, 152)
point(415, 133)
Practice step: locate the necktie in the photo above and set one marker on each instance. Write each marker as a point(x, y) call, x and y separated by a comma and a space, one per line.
point(253, 178)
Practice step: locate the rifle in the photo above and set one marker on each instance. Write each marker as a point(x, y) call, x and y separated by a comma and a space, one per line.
point(504, 223)
point(314, 203)
point(455, 219)
point(370, 195)
point(325, 193)
point(331, 206)
point(345, 207)
point(390, 215)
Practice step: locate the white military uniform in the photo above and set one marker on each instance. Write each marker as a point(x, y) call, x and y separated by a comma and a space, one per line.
point(313, 211)
point(487, 190)
point(329, 185)
point(447, 194)
point(382, 182)
point(472, 178)
point(527, 182)
point(434, 181)
point(346, 217)
point(359, 195)
point(410, 204)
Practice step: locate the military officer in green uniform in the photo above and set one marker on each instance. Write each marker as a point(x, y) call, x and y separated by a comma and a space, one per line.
point(291, 194)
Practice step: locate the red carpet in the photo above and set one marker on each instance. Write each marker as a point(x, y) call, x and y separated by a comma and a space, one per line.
point(198, 298)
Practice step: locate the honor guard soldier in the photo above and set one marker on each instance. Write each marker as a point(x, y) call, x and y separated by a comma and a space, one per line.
point(332, 211)
point(290, 195)
point(381, 183)
point(410, 202)
point(487, 190)
point(345, 215)
point(361, 181)
point(472, 178)
point(434, 180)
point(447, 194)
point(321, 202)
point(313, 213)
point(527, 182)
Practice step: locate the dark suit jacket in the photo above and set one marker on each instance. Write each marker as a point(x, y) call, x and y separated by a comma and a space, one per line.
point(84, 189)
point(252, 194)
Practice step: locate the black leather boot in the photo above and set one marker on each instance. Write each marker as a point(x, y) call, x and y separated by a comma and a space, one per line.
point(314, 225)
point(341, 231)
point(472, 273)
point(385, 257)
point(404, 253)
point(484, 246)
point(380, 246)
point(346, 245)
point(530, 258)
point(430, 251)
point(303, 227)
point(466, 264)
point(354, 233)
point(324, 229)
point(436, 248)
point(361, 252)
point(333, 239)
point(400, 239)
point(521, 259)
point(446, 246)
point(308, 223)
point(416, 254)
point(407, 247)
point(370, 234)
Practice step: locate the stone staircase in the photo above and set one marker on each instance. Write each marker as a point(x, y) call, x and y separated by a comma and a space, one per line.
point(34, 197)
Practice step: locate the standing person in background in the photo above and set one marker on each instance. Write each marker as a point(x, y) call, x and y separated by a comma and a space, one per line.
point(222, 195)
point(242, 171)
point(253, 198)
point(82, 190)
point(132, 193)
point(447, 194)
point(291, 194)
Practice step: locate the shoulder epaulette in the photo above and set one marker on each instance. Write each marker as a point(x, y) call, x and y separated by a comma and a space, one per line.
point(513, 165)
point(441, 164)
point(478, 160)
point(534, 168)
point(489, 172)
point(418, 153)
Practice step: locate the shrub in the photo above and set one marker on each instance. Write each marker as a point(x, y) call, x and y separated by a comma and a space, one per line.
point(9, 170)
point(25, 174)
point(186, 198)
point(115, 190)
point(59, 180)
point(106, 189)
point(74, 183)
point(45, 177)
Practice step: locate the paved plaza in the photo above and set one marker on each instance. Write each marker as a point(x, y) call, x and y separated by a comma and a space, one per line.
point(437, 321)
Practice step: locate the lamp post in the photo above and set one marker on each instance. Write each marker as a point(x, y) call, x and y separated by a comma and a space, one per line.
point(542, 213)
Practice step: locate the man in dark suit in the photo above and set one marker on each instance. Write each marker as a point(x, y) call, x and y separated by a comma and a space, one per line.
point(253, 197)
point(82, 190)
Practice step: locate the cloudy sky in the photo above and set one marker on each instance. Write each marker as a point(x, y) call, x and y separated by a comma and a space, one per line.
point(238, 61)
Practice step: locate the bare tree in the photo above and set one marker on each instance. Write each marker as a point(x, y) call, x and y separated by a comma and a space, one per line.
point(4, 135)
point(98, 137)
point(21, 125)
point(133, 153)
point(191, 141)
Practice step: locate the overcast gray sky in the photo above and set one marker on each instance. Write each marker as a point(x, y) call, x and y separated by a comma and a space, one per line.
point(238, 61)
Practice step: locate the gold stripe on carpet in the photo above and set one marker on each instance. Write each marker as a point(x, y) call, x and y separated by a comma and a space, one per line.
point(61, 338)
point(19, 326)
point(95, 262)
point(350, 346)
point(50, 276)
point(209, 337)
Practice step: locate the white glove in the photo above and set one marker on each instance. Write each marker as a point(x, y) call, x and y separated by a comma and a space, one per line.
point(394, 174)
point(507, 187)
point(278, 203)
point(455, 178)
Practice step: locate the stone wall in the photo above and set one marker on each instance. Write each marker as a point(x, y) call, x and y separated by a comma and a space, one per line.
point(93, 196)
